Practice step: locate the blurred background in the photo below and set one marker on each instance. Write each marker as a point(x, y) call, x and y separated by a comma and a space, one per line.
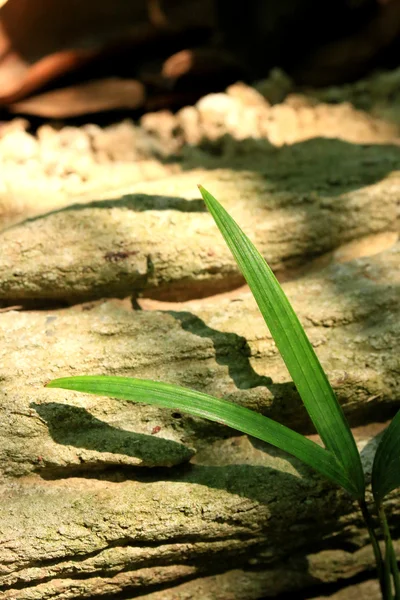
point(68, 58)
point(152, 88)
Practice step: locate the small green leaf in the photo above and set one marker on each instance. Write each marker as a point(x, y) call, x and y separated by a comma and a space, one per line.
point(386, 467)
point(214, 409)
point(293, 344)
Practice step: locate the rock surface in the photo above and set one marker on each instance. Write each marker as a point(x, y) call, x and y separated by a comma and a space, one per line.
point(102, 498)
point(62, 164)
point(234, 585)
point(350, 311)
point(88, 515)
point(377, 94)
point(160, 241)
point(123, 531)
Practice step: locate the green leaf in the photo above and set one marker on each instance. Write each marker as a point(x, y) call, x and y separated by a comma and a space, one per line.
point(293, 344)
point(214, 409)
point(386, 467)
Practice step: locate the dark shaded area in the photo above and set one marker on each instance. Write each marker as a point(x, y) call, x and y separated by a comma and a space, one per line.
point(325, 165)
point(233, 351)
point(180, 50)
point(328, 589)
point(134, 202)
point(73, 426)
point(268, 33)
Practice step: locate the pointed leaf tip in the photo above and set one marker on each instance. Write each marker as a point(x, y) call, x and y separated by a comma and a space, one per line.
point(293, 345)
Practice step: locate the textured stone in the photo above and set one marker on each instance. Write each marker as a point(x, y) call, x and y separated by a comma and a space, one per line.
point(62, 165)
point(78, 519)
point(350, 313)
point(102, 498)
point(158, 239)
point(260, 513)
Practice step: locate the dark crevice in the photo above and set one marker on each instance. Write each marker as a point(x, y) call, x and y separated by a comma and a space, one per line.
point(136, 591)
point(327, 589)
point(129, 541)
point(315, 589)
point(206, 563)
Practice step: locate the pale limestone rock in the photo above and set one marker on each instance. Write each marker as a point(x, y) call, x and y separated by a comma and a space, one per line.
point(242, 520)
point(160, 241)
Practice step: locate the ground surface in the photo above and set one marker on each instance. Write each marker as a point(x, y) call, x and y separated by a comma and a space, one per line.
point(102, 499)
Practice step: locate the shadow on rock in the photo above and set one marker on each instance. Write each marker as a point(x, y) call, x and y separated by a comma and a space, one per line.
point(133, 202)
point(231, 350)
point(283, 403)
point(73, 426)
point(320, 165)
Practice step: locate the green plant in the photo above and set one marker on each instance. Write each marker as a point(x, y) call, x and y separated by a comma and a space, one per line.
point(339, 459)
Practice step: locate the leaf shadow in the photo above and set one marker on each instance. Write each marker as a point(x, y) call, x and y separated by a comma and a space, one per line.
point(233, 351)
point(74, 426)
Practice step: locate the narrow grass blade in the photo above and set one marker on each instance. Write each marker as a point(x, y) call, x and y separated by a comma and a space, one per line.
point(386, 467)
point(293, 344)
point(214, 409)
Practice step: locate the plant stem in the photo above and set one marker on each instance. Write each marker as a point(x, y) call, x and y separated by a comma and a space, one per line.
point(375, 546)
point(390, 555)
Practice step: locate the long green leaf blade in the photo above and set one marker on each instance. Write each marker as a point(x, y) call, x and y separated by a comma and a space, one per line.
point(214, 409)
point(293, 344)
point(386, 467)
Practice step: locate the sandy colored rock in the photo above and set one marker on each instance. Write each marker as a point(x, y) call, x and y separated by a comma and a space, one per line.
point(115, 533)
point(62, 165)
point(77, 518)
point(102, 497)
point(242, 112)
point(350, 313)
point(253, 585)
point(377, 94)
point(368, 590)
point(158, 239)
point(65, 438)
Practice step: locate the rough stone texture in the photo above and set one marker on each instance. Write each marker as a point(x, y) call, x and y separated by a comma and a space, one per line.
point(256, 511)
point(72, 526)
point(60, 165)
point(297, 119)
point(245, 112)
point(350, 313)
point(379, 95)
point(368, 590)
point(234, 585)
point(102, 498)
point(160, 241)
